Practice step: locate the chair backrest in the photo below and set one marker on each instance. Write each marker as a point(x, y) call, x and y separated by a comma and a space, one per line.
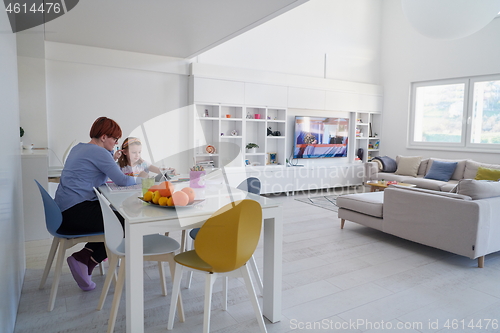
point(251, 185)
point(53, 215)
point(229, 237)
point(66, 153)
point(113, 230)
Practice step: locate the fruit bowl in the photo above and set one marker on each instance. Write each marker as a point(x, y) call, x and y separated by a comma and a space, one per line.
point(194, 203)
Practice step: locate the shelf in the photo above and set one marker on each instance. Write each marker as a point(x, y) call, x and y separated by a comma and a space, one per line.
point(231, 137)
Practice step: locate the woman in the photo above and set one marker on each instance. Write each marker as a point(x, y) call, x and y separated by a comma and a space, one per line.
point(88, 165)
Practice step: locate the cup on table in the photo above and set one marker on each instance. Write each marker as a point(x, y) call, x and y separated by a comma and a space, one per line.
point(146, 184)
point(196, 179)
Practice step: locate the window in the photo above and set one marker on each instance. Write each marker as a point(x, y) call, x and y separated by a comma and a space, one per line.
point(456, 113)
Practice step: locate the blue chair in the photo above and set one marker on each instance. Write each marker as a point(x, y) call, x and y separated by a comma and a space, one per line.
point(53, 220)
point(250, 185)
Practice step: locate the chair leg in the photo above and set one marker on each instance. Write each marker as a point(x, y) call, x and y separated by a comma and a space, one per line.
point(116, 298)
point(101, 268)
point(209, 283)
point(113, 263)
point(189, 278)
point(50, 260)
point(225, 280)
point(175, 295)
point(162, 278)
point(253, 266)
point(253, 298)
point(172, 266)
point(57, 272)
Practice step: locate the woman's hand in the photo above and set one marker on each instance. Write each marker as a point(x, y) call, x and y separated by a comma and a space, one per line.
point(117, 154)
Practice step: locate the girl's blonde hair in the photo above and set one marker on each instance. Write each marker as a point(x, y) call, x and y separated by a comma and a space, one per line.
point(123, 159)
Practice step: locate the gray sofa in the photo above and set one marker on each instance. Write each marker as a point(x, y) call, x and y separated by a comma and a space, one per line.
point(465, 169)
point(466, 223)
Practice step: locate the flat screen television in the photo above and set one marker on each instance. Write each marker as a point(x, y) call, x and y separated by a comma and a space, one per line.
point(317, 137)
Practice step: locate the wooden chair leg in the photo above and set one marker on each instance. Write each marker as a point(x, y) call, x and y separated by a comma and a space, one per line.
point(50, 260)
point(57, 273)
point(113, 263)
point(480, 262)
point(342, 222)
point(116, 298)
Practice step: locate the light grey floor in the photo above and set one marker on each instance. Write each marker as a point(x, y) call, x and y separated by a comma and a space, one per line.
point(351, 280)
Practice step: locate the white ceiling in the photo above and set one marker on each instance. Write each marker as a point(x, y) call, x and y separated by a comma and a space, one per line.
point(176, 28)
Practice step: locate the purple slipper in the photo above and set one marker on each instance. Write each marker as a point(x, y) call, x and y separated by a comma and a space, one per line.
point(80, 274)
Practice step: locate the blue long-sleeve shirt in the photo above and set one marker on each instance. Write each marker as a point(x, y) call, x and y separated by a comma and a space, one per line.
point(86, 167)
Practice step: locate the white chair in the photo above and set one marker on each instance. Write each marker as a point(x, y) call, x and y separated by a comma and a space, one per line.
point(156, 248)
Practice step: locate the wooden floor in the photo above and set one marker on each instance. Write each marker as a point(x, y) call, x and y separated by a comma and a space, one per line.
point(351, 280)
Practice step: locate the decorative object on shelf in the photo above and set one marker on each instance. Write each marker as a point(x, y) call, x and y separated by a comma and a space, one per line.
point(234, 132)
point(370, 134)
point(276, 133)
point(249, 116)
point(247, 162)
point(228, 116)
point(272, 158)
point(269, 131)
point(358, 132)
point(252, 147)
point(359, 121)
point(222, 134)
point(376, 144)
point(257, 116)
point(206, 113)
point(22, 134)
point(210, 149)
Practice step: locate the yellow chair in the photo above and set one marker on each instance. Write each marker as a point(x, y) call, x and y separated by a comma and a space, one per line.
point(223, 246)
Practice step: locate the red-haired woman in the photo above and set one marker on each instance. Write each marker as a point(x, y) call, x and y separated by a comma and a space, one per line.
point(88, 165)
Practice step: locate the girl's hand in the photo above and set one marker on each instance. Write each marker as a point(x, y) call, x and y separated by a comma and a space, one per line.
point(143, 174)
point(117, 154)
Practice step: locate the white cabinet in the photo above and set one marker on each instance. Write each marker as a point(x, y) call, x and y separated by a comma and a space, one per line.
point(302, 98)
point(265, 94)
point(229, 128)
point(368, 126)
point(217, 91)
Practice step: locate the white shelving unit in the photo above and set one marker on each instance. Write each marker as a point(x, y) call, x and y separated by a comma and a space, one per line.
point(368, 126)
point(229, 128)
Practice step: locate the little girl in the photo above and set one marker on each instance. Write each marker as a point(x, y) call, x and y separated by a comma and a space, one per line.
point(130, 160)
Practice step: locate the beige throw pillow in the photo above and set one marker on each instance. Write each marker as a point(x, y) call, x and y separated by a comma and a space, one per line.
point(408, 165)
point(478, 189)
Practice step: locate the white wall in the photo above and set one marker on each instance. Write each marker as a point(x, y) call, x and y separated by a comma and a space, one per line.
point(12, 260)
point(347, 31)
point(84, 83)
point(408, 56)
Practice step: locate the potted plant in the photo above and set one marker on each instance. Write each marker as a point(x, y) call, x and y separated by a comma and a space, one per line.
point(252, 147)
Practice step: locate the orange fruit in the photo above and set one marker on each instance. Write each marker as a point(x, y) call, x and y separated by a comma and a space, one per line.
point(166, 189)
point(154, 188)
point(190, 192)
point(148, 196)
point(170, 202)
point(180, 198)
point(163, 201)
point(156, 197)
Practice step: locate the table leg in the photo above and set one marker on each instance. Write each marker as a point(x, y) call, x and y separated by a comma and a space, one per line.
point(273, 260)
point(134, 272)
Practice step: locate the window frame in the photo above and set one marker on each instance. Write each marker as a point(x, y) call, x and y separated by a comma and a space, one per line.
point(465, 143)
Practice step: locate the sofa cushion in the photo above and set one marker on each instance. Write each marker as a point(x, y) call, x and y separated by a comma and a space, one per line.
point(429, 184)
point(487, 174)
point(408, 165)
point(471, 168)
point(443, 194)
point(449, 185)
point(422, 169)
point(441, 170)
point(478, 189)
point(367, 203)
point(459, 170)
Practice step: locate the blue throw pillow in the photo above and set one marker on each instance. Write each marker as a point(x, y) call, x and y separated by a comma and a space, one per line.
point(441, 170)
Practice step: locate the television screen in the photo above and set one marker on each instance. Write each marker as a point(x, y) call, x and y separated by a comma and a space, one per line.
point(317, 137)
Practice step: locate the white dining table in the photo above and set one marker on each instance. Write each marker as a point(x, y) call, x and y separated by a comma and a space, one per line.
point(143, 218)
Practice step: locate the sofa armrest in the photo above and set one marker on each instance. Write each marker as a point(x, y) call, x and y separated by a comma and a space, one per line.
point(371, 171)
point(457, 225)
